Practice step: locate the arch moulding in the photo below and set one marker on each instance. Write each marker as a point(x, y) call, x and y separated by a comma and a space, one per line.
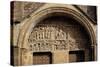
point(28, 24)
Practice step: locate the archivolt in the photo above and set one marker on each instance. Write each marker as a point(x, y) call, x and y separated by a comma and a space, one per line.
point(35, 18)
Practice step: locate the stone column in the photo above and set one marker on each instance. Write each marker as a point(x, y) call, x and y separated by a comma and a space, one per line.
point(93, 53)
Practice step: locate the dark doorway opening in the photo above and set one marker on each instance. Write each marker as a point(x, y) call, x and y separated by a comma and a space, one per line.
point(76, 56)
point(42, 58)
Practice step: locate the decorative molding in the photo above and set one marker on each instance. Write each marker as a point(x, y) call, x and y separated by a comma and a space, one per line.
point(34, 19)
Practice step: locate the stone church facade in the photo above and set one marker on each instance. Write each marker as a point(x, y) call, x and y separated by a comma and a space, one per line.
point(48, 33)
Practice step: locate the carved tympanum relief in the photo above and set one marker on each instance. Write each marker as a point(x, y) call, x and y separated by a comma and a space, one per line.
point(53, 34)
